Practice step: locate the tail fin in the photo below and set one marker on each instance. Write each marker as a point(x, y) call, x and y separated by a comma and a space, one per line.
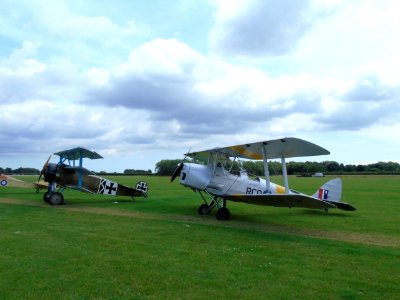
point(330, 191)
point(142, 187)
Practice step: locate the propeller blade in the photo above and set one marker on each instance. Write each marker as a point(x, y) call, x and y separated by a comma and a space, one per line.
point(44, 168)
point(177, 171)
point(179, 168)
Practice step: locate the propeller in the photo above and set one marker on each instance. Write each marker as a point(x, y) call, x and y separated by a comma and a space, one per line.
point(44, 168)
point(177, 171)
point(179, 168)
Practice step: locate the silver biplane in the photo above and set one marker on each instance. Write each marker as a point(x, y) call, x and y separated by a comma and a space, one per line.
point(221, 185)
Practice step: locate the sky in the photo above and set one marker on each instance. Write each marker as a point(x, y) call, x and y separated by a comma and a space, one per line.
point(140, 81)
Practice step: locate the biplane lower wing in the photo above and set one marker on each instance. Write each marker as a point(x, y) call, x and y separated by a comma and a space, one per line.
point(282, 200)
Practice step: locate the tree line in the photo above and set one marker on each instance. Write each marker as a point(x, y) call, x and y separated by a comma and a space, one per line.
point(256, 168)
point(20, 171)
point(166, 167)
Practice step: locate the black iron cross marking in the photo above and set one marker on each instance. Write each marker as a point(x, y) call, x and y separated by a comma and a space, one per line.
point(141, 186)
point(110, 188)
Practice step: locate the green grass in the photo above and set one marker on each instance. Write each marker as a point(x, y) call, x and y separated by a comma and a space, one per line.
point(160, 248)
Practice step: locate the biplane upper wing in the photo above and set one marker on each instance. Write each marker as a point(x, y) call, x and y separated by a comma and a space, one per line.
point(285, 147)
point(282, 200)
point(77, 153)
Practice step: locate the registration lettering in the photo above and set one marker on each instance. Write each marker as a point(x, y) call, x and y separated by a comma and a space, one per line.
point(251, 191)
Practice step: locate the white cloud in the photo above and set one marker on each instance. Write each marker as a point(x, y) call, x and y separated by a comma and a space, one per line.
point(336, 79)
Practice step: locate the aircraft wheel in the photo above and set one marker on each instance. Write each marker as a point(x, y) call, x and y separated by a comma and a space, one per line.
point(203, 210)
point(56, 199)
point(46, 197)
point(223, 214)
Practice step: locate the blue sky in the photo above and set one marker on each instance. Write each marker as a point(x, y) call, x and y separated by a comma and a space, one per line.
point(140, 81)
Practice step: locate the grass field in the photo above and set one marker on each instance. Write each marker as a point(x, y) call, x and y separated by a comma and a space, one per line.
point(115, 248)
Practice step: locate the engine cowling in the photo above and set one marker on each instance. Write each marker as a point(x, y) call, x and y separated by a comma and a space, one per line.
point(50, 172)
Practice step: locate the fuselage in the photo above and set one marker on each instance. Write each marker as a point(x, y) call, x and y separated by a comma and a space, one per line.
point(219, 181)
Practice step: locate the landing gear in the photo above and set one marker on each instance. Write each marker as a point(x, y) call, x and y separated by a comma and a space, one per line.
point(46, 197)
point(204, 210)
point(53, 198)
point(56, 199)
point(222, 211)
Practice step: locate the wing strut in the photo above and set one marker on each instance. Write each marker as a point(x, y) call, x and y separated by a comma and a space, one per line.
point(266, 171)
point(80, 170)
point(285, 177)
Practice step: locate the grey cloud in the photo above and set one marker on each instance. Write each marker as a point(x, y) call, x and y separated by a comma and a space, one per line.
point(353, 116)
point(368, 102)
point(139, 93)
point(19, 85)
point(370, 88)
point(168, 100)
point(264, 28)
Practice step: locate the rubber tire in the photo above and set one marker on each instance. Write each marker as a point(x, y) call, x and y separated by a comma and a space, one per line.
point(56, 199)
point(203, 210)
point(46, 197)
point(223, 214)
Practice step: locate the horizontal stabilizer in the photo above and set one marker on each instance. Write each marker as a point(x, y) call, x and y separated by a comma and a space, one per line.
point(342, 205)
point(282, 200)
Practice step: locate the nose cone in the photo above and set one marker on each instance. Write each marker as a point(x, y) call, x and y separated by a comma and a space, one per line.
point(177, 171)
point(195, 176)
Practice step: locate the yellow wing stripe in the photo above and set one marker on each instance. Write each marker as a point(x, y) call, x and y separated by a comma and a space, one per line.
point(246, 152)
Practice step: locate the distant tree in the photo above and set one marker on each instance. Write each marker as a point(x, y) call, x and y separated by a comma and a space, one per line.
point(331, 166)
point(350, 168)
point(253, 168)
point(129, 171)
point(360, 168)
point(134, 172)
point(167, 167)
point(384, 166)
point(392, 166)
point(31, 171)
point(274, 167)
